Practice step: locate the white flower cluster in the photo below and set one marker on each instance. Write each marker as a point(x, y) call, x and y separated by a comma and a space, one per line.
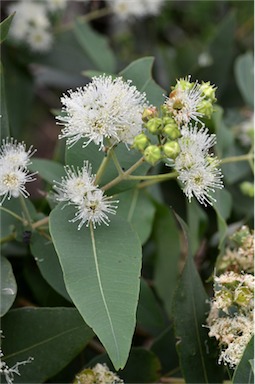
point(106, 108)
point(231, 319)
point(31, 24)
point(198, 170)
point(9, 372)
point(128, 9)
point(14, 174)
point(78, 188)
point(100, 374)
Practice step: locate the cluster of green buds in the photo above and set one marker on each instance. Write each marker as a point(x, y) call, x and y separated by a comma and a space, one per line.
point(166, 131)
point(208, 93)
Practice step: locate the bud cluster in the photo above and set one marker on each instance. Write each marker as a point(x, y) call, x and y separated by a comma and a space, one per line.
point(100, 374)
point(167, 132)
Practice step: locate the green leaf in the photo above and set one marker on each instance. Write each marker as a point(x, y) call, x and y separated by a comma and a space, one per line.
point(5, 129)
point(137, 208)
point(244, 372)
point(48, 263)
point(197, 360)
point(197, 221)
point(5, 26)
point(101, 270)
point(8, 286)
point(225, 137)
point(76, 156)
point(167, 255)
point(149, 313)
point(140, 72)
point(244, 73)
point(96, 46)
point(52, 336)
point(91, 73)
point(142, 366)
point(48, 170)
point(222, 207)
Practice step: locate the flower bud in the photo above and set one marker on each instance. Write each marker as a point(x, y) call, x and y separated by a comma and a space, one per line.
point(152, 154)
point(184, 84)
point(243, 296)
point(169, 120)
point(171, 149)
point(154, 125)
point(247, 188)
point(172, 131)
point(208, 91)
point(149, 113)
point(206, 108)
point(140, 142)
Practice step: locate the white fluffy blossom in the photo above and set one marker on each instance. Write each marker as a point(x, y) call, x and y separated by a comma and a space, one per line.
point(31, 25)
point(78, 188)
point(198, 170)
point(104, 108)
point(55, 5)
point(183, 104)
point(127, 9)
point(13, 169)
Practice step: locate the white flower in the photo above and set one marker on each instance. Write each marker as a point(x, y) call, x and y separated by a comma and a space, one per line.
point(12, 182)
point(94, 209)
point(198, 170)
point(13, 169)
point(105, 108)
point(76, 184)
point(100, 374)
point(127, 9)
point(14, 154)
point(78, 188)
point(183, 104)
point(30, 25)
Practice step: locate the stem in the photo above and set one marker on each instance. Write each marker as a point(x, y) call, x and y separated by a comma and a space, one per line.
point(149, 182)
point(86, 18)
point(116, 163)
point(8, 238)
point(102, 167)
point(12, 214)
point(124, 175)
point(233, 159)
point(26, 212)
point(41, 222)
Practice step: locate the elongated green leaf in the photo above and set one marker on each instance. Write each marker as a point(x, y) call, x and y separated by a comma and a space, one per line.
point(197, 358)
point(8, 286)
point(197, 221)
point(149, 313)
point(48, 170)
point(5, 26)
point(244, 372)
point(139, 71)
point(101, 270)
point(48, 263)
point(244, 73)
point(5, 129)
point(137, 208)
point(95, 46)
point(222, 207)
point(52, 336)
point(167, 257)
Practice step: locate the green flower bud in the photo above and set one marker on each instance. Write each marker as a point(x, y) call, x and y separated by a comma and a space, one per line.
point(205, 107)
point(243, 295)
point(140, 142)
point(247, 188)
point(172, 131)
point(165, 111)
point(171, 149)
point(169, 120)
point(208, 91)
point(152, 154)
point(154, 125)
point(184, 84)
point(149, 113)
